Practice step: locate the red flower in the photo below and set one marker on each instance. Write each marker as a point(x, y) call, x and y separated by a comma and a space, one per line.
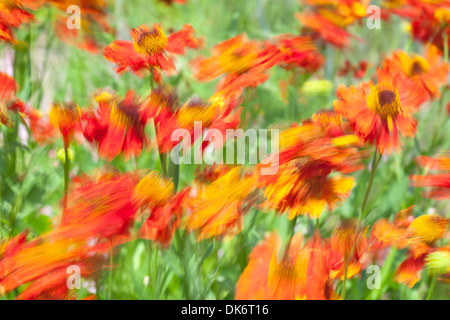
point(8, 100)
point(378, 112)
point(243, 62)
point(13, 13)
point(439, 182)
point(117, 126)
point(298, 52)
point(150, 50)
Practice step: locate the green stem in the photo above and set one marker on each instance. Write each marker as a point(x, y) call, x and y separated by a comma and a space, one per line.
point(431, 287)
point(66, 175)
point(292, 225)
point(162, 160)
point(385, 275)
point(375, 161)
point(174, 173)
point(445, 46)
point(344, 282)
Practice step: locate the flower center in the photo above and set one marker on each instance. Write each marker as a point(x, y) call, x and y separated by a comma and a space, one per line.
point(429, 228)
point(153, 190)
point(238, 60)
point(191, 112)
point(149, 42)
point(64, 117)
point(418, 66)
point(124, 114)
point(384, 101)
point(8, 4)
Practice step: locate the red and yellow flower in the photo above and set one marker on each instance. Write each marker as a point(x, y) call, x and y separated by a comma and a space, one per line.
point(98, 215)
point(243, 62)
point(151, 50)
point(419, 235)
point(308, 155)
point(348, 243)
point(328, 19)
point(218, 113)
point(429, 70)
point(66, 118)
point(156, 193)
point(117, 125)
point(296, 272)
point(298, 52)
point(8, 100)
point(379, 112)
point(14, 13)
point(439, 182)
point(217, 209)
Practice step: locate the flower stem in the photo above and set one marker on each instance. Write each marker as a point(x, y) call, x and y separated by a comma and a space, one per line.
point(66, 175)
point(445, 46)
point(375, 161)
point(344, 282)
point(292, 225)
point(431, 287)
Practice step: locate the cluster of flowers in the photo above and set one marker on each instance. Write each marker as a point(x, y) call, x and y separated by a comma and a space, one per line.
point(316, 157)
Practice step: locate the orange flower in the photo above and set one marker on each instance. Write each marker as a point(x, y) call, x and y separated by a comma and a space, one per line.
point(66, 118)
point(117, 126)
point(215, 114)
point(155, 193)
point(419, 235)
point(8, 100)
point(218, 208)
point(298, 272)
point(86, 6)
point(358, 71)
point(13, 13)
point(348, 244)
point(41, 130)
point(150, 50)
point(298, 52)
point(378, 112)
point(322, 140)
point(409, 271)
point(93, 19)
point(308, 155)
point(99, 207)
point(164, 220)
point(430, 20)
point(428, 228)
point(85, 38)
point(325, 29)
point(428, 70)
point(171, 2)
point(11, 246)
point(53, 286)
point(98, 215)
point(270, 277)
point(439, 182)
point(330, 18)
point(291, 189)
point(243, 62)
